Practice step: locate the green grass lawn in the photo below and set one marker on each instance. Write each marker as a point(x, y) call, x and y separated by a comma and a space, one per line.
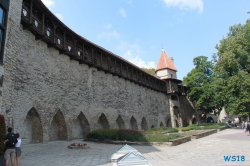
point(158, 134)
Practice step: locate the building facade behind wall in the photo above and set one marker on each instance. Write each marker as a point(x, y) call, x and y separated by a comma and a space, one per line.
point(57, 85)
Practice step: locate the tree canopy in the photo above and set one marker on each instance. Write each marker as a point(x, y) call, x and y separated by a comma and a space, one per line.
point(200, 82)
point(232, 69)
point(225, 80)
point(149, 70)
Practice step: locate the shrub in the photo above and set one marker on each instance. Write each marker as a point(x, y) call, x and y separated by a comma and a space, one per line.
point(129, 135)
point(104, 134)
point(2, 133)
point(222, 124)
point(158, 137)
point(184, 129)
point(215, 126)
point(157, 129)
point(205, 126)
point(173, 136)
point(162, 129)
point(194, 127)
point(172, 130)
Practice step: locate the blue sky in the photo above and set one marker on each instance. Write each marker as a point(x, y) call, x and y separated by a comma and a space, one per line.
point(137, 30)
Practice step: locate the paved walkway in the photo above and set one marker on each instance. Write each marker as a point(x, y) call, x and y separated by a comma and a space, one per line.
point(209, 150)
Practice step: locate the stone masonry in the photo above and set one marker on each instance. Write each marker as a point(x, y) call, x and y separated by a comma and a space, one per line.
point(50, 97)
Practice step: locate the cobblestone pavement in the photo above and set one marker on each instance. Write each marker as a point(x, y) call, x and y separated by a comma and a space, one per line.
point(209, 150)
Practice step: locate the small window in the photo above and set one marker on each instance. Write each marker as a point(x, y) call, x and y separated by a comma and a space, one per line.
point(174, 97)
point(171, 75)
point(2, 13)
point(1, 36)
point(4, 5)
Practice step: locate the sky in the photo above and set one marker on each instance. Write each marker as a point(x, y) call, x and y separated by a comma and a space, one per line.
point(138, 30)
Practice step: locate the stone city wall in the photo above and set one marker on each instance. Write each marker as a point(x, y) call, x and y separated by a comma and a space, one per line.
point(187, 111)
point(51, 97)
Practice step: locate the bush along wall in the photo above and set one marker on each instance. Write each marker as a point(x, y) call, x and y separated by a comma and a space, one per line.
point(130, 135)
point(2, 133)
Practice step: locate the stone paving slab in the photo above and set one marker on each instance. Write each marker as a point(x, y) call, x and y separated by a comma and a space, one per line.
point(208, 150)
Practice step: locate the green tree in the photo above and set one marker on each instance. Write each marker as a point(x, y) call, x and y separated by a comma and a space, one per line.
point(232, 68)
point(149, 70)
point(202, 90)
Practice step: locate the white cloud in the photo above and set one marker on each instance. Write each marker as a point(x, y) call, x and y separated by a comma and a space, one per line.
point(133, 52)
point(186, 4)
point(137, 60)
point(129, 2)
point(109, 35)
point(108, 26)
point(123, 12)
point(129, 51)
point(48, 3)
point(58, 15)
point(136, 49)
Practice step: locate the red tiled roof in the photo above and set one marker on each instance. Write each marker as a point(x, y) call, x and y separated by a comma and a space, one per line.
point(165, 62)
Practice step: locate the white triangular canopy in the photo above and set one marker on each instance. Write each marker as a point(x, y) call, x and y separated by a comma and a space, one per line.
point(121, 152)
point(126, 148)
point(133, 158)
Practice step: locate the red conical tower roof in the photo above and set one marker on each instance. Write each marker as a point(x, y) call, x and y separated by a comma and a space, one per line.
point(165, 62)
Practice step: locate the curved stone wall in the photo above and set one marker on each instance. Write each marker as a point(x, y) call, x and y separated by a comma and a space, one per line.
point(52, 83)
point(50, 97)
